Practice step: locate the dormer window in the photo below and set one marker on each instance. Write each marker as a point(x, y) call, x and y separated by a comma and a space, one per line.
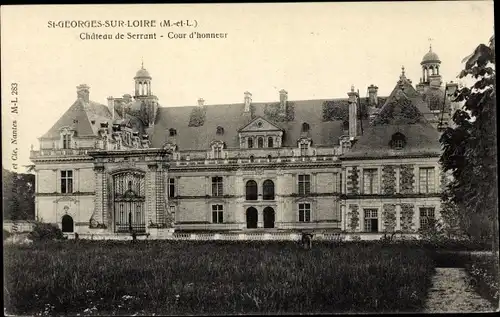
point(270, 142)
point(304, 145)
point(172, 132)
point(305, 127)
point(220, 130)
point(66, 141)
point(398, 141)
point(217, 147)
point(260, 143)
point(303, 149)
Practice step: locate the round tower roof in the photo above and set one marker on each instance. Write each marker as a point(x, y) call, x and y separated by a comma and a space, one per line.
point(142, 73)
point(430, 57)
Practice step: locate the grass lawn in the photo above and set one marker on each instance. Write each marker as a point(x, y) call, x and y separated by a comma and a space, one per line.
point(189, 277)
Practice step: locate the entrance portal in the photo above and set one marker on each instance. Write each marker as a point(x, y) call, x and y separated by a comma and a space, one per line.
point(129, 202)
point(252, 217)
point(67, 223)
point(268, 217)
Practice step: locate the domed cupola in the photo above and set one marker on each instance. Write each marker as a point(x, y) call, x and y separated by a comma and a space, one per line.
point(430, 69)
point(142, 82)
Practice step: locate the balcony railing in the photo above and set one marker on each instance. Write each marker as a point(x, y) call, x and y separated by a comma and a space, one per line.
point(59, 152)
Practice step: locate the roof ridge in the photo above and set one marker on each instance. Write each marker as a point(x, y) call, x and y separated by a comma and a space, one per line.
point(265, 102)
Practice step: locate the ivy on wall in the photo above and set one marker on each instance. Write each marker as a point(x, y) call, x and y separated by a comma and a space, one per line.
point(389, 217)
point(399, 111)
point(389, 180)
point(354, 217)
point(407, 178)
point(197, 118)
point(353, 181)
point(407, 212)
point(333, 111)
point(443, 181)
point(274, 113)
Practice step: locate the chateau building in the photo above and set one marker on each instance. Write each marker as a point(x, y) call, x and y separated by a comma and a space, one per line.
point(359, 164)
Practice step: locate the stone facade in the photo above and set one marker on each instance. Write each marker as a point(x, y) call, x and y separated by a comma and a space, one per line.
point(135, 166)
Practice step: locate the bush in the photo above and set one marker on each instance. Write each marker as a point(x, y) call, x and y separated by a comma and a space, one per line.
point(45, 231)
point(483, 271)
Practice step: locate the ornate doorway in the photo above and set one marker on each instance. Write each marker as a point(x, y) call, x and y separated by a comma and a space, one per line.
point(268, 217)
point(129, 202)
point(252, 217)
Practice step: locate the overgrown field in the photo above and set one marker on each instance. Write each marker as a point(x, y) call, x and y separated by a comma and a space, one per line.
point(188, 277)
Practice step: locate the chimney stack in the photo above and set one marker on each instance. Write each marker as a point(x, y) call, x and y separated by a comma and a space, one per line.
point(372, 94)
point(82, 93)
point(353, 113)
point(201, 102)
point(111, 106)
point(248, 101)
point(283, 98)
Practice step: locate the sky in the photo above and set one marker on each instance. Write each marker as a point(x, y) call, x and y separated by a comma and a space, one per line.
point(312, 50)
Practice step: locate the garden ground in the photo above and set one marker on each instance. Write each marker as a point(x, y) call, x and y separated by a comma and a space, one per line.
point(189, 277)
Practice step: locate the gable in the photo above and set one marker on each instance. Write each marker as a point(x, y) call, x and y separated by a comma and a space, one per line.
point(259, 124)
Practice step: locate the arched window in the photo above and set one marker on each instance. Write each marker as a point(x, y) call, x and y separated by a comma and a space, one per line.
point(251, 190)
point(398, 141)
point(252, 159)
point(250, 143)
point(172, 132)
point(260, 143)
point(305, 127)
point(270, 142)
point(269, 158)
point(268, 190)
point(220, 130)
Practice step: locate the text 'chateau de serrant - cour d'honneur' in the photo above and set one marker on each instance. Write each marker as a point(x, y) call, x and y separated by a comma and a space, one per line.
point(356, 164)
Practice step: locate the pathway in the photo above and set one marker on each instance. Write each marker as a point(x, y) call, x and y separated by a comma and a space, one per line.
point(451, 292)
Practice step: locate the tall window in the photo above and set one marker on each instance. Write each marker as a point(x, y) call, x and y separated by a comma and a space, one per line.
point(370, 181)
point(304, 184)
point(426, 214)
point(217, 186)
point(305, 212)
point(171, 187)
point(251, 190)
point(427, 180)
point(217, 214)
point(250, 143)
point(260, 143)
point(303, 149)
point(270, 142)
point(371, 220)
point(66, 141)
point(268, 190)
point(66, 182)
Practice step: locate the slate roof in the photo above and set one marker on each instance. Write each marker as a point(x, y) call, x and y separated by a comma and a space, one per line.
point(80, 116)
point(404, 112)
point(232, 117)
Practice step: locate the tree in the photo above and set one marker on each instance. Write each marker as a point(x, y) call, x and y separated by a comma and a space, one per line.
point(18, 195)
point(470, 149)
